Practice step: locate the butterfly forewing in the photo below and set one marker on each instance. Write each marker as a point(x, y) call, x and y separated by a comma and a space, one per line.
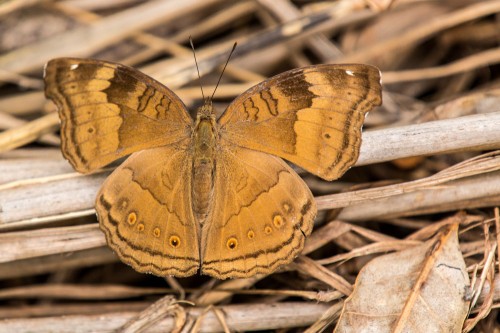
point(108, 110)
point(310, 116)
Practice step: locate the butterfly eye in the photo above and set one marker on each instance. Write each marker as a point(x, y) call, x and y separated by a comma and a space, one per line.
point(278, 221)
point(232, 243)
point(140, 227)
point(268, 230)
point(174, 241)
point(132, 218)
point(250, 234)
point(156, 232)
point(287, 207)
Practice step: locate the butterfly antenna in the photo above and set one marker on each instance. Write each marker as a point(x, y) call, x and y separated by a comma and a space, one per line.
point(197, 69)
point(220, 77)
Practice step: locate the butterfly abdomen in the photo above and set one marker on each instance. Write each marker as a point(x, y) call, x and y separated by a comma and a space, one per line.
point(203, 167)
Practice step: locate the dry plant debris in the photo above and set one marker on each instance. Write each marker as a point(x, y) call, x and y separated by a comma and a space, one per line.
point(421, 288)
point(407, 241)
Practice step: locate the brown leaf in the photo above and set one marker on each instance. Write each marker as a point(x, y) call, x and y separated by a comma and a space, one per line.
point(421, 289)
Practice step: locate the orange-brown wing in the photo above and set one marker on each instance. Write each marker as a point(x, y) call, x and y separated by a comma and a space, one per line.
point(262, 211)
point(310, 116)
point(144, 209)
point(108, 110)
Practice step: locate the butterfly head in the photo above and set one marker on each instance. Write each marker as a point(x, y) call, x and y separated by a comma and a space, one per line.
point(207, 110)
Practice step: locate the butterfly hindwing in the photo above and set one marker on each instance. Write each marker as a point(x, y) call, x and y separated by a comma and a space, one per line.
point(144, 209)
point(311, 116)
point(109, 110)
point(262, 211)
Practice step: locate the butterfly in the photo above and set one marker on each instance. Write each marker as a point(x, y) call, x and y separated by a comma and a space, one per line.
point(209, 194)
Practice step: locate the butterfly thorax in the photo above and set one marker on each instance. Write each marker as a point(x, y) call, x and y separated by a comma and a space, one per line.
point(204, 143)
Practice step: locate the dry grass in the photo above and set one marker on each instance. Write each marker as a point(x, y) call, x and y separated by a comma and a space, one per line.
point(428, 157)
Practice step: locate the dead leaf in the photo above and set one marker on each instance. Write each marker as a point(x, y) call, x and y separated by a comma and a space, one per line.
point(421, 289)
